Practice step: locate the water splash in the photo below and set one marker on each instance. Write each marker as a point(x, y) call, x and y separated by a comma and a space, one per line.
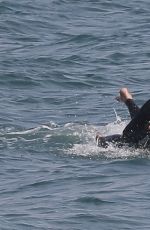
point(88, 147)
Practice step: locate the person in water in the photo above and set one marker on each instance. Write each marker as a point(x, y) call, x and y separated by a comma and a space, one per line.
point(137, 132)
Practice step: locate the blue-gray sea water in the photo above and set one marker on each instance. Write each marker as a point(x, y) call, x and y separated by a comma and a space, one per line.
point(62, 63)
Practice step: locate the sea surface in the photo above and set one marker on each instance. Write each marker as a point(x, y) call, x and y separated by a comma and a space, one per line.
point(62, 63)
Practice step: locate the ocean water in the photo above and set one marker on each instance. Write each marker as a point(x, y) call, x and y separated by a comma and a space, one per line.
point(62, 64)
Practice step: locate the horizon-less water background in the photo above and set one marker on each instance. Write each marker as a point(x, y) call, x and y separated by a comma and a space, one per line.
point(62, 63)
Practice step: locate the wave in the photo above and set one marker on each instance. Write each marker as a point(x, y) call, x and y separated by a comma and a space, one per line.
point(70, 139)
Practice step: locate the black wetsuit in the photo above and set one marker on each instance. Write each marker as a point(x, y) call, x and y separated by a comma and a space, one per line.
point(136, 132)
